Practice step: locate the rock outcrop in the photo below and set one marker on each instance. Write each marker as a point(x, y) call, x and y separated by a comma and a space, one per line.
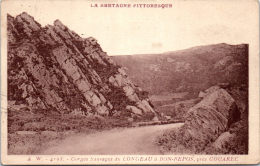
point(217, 124)
point(208, 119)
point(53, 69)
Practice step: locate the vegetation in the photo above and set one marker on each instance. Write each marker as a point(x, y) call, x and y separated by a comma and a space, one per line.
point(177, 142)
point(56, 126)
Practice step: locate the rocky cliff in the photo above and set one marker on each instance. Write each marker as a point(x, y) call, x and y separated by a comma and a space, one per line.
point(53, 69)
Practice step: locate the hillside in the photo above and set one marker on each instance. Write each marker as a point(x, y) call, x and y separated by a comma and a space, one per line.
point(190, 70)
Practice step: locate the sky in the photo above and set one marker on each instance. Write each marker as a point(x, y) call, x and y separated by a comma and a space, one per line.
point(143, 31)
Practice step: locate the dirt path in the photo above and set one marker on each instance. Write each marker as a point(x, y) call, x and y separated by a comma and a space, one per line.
point(138, 140)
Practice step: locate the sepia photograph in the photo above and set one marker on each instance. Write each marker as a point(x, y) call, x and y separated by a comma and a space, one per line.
point(130, 82)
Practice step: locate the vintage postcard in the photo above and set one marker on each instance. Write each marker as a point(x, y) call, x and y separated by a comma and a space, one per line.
point(129, 82)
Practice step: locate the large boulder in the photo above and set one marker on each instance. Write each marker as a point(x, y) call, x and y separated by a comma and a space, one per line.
point(207, 120)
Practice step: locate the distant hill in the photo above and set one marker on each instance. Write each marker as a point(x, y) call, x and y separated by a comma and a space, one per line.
point(190, 70)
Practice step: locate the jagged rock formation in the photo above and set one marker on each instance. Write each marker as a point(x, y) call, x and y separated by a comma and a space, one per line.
point(53, 69)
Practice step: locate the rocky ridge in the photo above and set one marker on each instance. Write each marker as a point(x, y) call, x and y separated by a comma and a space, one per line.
point(53, 69)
